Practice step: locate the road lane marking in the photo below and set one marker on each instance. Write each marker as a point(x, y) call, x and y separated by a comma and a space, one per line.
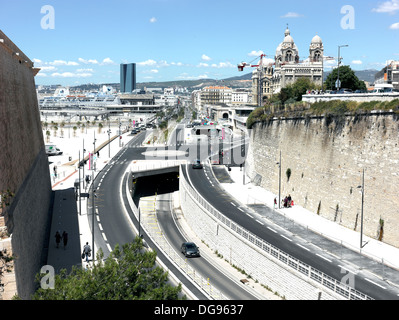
point(319, 255)
point(303, 247)
point(272, 230)
point(233, 204)
point(286, 238)
point(259, 222)
point(375, 283)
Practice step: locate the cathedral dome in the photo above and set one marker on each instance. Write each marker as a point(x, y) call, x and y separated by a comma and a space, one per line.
point(317, 40)
point(288, 39)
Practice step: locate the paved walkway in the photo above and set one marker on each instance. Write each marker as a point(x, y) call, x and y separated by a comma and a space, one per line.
point(70, 215)
point(260, 200)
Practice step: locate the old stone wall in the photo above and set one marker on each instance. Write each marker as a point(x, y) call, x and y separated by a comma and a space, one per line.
point(326, 157)
point(23, 165)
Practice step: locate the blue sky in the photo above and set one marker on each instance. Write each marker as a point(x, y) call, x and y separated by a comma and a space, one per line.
point(186, 39)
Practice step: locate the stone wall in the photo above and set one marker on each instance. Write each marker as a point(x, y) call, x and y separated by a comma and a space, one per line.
point(326, 157)
point(23, 165)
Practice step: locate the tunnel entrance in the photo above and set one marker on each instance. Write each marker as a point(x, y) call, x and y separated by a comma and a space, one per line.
point(149, 185)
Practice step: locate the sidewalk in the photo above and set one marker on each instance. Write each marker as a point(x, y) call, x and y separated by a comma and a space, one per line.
point(66, 215)
point(249, 194)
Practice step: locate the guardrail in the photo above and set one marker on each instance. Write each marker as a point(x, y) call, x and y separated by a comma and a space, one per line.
point(274, 252)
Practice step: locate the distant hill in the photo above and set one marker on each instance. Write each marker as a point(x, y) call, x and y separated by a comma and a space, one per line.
point(239, 81)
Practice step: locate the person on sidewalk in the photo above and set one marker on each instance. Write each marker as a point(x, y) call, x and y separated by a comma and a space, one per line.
point(57, 239)
point(87, 251)
point(65, 239)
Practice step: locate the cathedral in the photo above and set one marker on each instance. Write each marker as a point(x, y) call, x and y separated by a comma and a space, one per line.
point(287, 68)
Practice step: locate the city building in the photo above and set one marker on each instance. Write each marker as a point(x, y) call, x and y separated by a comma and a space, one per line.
point(128, 77)
point(216, 95)
point(389, 75)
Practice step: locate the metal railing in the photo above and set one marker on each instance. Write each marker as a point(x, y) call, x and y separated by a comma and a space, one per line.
point(274, 252)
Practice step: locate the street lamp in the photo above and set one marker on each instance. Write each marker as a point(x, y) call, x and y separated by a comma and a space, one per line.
point(338, 84)
point(361, 217)
point(279, 182)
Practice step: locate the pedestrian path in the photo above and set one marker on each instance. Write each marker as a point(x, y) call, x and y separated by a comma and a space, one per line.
point(262, 202)
point(71, 215)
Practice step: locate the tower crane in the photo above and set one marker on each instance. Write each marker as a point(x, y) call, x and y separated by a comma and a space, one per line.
point(243, 65)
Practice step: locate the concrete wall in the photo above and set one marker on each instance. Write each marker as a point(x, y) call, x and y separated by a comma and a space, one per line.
point(23, 165)
point(326, 158)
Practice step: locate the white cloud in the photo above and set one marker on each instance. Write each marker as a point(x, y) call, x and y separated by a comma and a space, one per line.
point(254, 53)
point(205, 57)
point(153, 20)
point(70, 75)
point(107, 61)
point(148, 62)
point(223, 65)
point(63, 63)
point(203, 65)
point(41, 74)
point(90, 61)
point(357, 62)
point(292, 15)
point(48, 68)
point(394, 26)
point(84, 70)
point(388, 7)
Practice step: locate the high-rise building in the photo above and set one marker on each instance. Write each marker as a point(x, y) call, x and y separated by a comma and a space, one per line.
point(128, 77)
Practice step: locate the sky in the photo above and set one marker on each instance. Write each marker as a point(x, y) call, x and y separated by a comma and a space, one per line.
point(79, 42)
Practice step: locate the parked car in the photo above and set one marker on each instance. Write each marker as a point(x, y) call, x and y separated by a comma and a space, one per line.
point(197, 164)
point(190, 249)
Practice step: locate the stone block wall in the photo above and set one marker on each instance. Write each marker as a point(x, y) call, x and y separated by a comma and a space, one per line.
point(23, 165)
point(326, 157)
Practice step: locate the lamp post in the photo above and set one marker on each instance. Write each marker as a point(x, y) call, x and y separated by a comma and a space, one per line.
point(279, 182)
point(361, 215)
point(338, 84)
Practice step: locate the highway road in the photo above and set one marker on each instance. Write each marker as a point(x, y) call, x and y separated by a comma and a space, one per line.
point(113, 226)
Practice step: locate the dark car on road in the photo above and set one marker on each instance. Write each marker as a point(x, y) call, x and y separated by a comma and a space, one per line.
point(134, 131)
point(190, 249)
point(197, 164)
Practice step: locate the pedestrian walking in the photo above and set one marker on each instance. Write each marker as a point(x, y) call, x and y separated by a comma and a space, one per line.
point(86, 252)
point(55, 171)
point(275, 203)
point(65, 239)
point(57, 239)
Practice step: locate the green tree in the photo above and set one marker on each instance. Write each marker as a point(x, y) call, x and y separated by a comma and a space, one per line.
point(296, 90)
point(127, 274)
point(347, 77)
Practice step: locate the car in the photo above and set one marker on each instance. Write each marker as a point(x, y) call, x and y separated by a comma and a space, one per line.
point(197, 164)
point(190, 249)
point(134, 131)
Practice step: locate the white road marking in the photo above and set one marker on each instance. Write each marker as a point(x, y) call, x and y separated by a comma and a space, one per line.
point(286, 238)
point(259, 222)
point(374, 283)
point(323, 257)
point(272, 230)
point(302, 247)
